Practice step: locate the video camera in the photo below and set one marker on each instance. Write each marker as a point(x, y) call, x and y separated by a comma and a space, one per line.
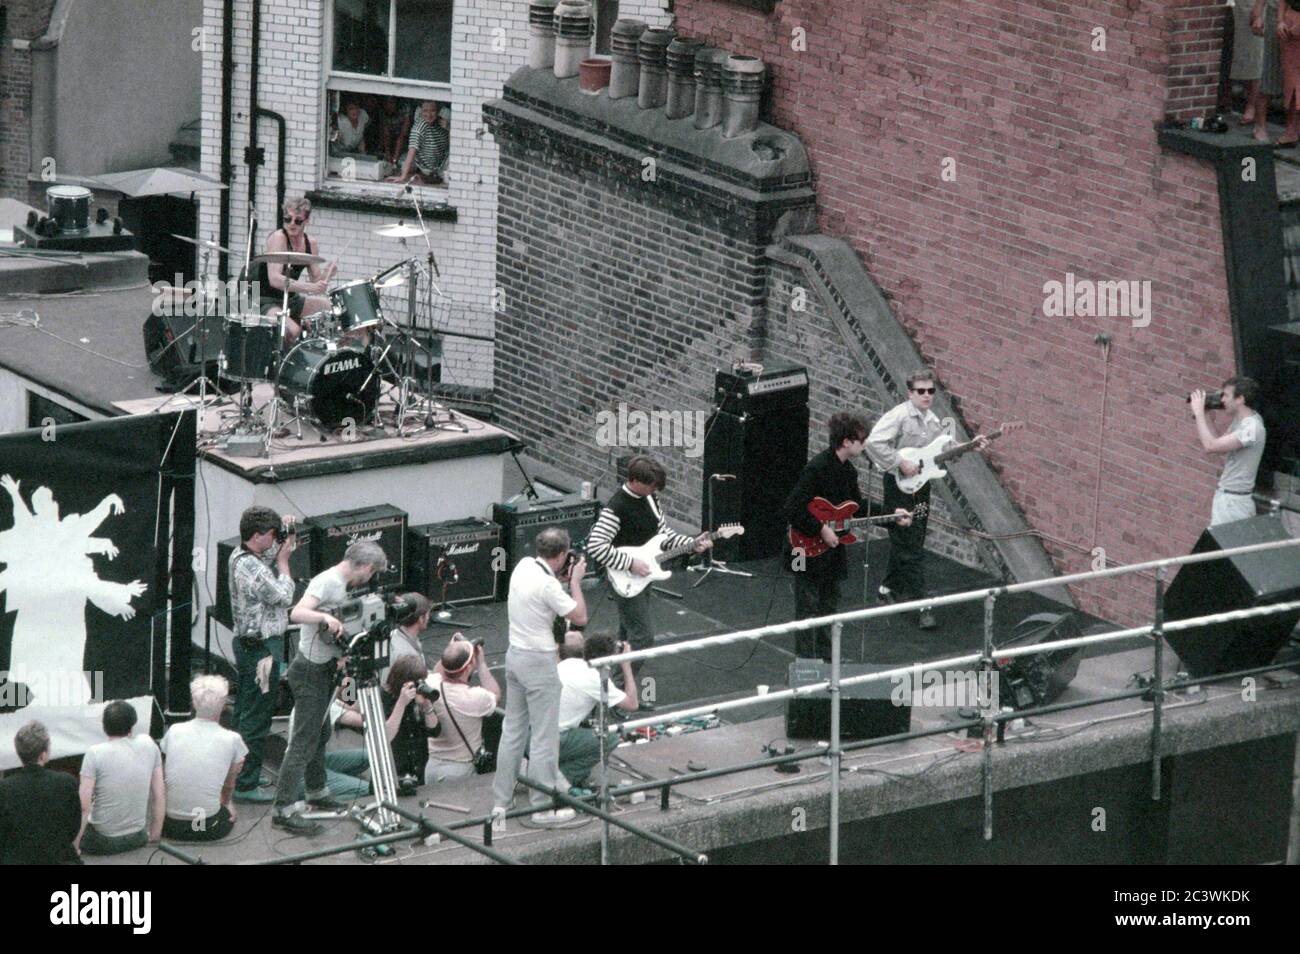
point(367, 622)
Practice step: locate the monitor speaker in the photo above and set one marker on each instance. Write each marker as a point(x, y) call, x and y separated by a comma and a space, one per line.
point(867, 711)
point(1234, 583)
point(1037, 680)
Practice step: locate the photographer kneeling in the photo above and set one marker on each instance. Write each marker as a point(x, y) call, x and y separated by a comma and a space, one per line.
point(411, 721)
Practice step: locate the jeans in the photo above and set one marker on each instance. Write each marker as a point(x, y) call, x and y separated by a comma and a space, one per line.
point(905, 575)
point(195, 829)
point(1228, 508)
point(304, 763)
point(580, 753)
point(93, 843)
point(343, 770)
point(253, 710)
point(815, 596)
point(532, 721)
point(636, 623)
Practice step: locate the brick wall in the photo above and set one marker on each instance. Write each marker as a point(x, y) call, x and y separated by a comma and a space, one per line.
point(1057, 170)
point(28, 19)
point(1195, 45)
point(295, 51)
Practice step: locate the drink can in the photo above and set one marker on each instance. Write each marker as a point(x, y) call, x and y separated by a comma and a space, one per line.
point(586, 490)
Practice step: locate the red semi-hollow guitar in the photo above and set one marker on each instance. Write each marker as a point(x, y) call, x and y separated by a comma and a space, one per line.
point(841, 520)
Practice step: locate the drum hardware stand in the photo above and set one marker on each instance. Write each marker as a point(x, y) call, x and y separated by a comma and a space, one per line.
point(709, 565)
point(202, 380)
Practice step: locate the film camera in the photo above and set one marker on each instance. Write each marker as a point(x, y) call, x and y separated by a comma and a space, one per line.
point(286, 530)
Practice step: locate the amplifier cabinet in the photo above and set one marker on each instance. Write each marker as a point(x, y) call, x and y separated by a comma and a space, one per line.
point(300, 568)
point(519, 528)
point(465, 556)
point(383, 524)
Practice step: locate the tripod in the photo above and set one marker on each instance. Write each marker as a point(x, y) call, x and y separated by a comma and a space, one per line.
point(709, 564)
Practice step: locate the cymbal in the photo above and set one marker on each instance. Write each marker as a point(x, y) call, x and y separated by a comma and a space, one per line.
point(400, 230)
point(203, 243)
point(288, 258)
point(392, 281)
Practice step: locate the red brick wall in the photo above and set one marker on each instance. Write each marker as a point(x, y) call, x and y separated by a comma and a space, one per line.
point(1057, 170)
point(27, 20)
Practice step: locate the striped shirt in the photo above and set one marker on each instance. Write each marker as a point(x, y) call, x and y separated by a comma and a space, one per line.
point(431, 144)
point(609, 531)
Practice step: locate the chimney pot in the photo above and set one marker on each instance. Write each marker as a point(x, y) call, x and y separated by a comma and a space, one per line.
point(680, 60)
point(625, 73)
point(742, 88)
point(541, 34)
point(652, 50)
point(708, 86)
point(573, 25)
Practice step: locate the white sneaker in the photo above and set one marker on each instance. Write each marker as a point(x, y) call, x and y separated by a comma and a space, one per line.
point(558, 816)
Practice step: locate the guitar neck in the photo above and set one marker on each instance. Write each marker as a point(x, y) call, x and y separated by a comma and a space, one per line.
point(675, 552)
point(960, 449)
point(867, 521)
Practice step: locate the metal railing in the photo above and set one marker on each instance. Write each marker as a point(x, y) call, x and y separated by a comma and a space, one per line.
point(989, 720)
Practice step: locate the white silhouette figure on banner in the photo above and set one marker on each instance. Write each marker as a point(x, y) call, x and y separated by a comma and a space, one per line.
point(49, 576)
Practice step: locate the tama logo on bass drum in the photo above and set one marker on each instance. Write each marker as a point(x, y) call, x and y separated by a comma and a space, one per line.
point(347, 364)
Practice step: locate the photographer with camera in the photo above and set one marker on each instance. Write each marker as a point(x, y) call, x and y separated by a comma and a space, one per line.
point(1243, 443)
point(261, 592)
point(408, 705)
point(536, 598)
point(579, 741)
point(459, 752)
point(412, 620)
point(312, 676)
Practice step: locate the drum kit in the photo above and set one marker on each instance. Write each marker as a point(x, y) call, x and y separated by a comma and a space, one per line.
point(334, 373)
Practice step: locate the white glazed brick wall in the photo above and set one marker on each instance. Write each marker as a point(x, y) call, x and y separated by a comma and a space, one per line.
point(291, 82)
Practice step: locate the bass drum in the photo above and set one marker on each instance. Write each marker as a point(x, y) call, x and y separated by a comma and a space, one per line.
point(331, 382)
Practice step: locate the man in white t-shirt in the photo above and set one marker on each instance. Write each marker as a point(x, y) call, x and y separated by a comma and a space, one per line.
point(579, 744)
point(311, 677)
point(537, 597)
point(1243, 444)
point(461, 710)
point(202, 762)
point(352, 122)
point(118, 779)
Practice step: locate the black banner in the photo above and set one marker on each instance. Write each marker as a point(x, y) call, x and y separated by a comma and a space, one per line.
point(86, 571)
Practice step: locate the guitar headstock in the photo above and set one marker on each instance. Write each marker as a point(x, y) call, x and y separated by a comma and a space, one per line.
point(920, 510)
point(727, 530)
point(1006, 427)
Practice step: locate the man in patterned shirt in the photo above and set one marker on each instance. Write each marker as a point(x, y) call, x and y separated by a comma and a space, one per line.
point(261, 592)
point(430, 143)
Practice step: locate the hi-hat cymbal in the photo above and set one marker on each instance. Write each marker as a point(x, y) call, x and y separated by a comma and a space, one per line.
point(392, 281)
point(203, 243)
point(400, 230)
point(288, 258)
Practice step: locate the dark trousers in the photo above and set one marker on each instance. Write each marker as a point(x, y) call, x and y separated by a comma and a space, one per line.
point(93, 843)
point(199, 829)
point(815, 595)
point(304, 762)
point(253, 709)
point(636, 623)
point(905, 575)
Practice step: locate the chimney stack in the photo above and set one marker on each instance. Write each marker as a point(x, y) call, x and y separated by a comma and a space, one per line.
point(680, 59)
point(573, 25)
point(541, 34)
point(708, 86)
point(652, 50)
point(742, 88)
point(625, 74)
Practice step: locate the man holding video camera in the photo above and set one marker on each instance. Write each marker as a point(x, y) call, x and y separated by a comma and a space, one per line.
point(311, 676)
point(261, 592)
point(1243, 443)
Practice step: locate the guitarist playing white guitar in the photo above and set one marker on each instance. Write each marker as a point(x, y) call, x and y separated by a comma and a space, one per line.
point(911, 424)
point(630, 518)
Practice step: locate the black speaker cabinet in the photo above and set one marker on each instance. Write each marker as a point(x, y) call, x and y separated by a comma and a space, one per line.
point(382, 524)
point(1039, 679)
point(520, 527)
point(300, 568)
point(1233, 583)
point(867, 711)
point(455, 557)
point(765, 452)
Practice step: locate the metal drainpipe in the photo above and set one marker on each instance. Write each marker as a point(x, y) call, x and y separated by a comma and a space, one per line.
point(227, 170)
point(280, 161)
point(251, 155)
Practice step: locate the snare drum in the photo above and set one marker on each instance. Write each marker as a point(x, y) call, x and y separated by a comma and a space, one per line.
point(252, 347)
point(69, 207)
point(331, 381)
point(356, 306)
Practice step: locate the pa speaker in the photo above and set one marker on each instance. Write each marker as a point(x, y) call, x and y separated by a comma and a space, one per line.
point(765, 452)
point(1234, 583)
point(1038, 679)
point(867, 711)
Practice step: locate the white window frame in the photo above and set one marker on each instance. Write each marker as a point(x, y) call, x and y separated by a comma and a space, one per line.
point(341, 82)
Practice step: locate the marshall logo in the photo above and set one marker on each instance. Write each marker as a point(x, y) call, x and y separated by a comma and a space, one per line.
point(367, 537)
point(461, 549)
point(346, 364)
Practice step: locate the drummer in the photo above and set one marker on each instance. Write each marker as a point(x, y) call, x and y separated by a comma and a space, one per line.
point(305, 297)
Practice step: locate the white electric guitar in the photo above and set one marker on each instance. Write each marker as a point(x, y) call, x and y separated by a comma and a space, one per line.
point(929, 458)
point(626, 583)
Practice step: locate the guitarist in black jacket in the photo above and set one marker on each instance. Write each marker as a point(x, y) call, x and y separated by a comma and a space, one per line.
point(831, 475)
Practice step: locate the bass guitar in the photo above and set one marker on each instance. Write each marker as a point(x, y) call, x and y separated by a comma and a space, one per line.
point(841, 520)
point(626, 583)
point(930, 457)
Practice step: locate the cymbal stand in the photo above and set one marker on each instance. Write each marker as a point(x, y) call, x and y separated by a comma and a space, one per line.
point(202, 326)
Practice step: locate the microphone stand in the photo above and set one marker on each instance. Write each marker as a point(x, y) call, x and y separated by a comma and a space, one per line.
point(441, 615)
point(709, 564)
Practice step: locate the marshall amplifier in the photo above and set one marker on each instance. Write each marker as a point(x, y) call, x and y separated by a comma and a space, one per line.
point(459, 554)
point(384, 524)
point(775, 387)
point(520, 527)
point(300, 568)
